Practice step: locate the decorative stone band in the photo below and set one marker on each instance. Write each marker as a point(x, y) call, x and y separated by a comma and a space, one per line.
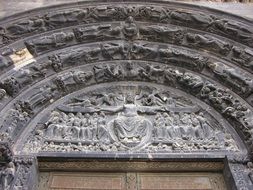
point(46, 93)
point(14, 81)
point(48, 56)
point(173, 13)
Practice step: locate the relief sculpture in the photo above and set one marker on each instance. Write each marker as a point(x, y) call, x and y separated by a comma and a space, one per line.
point(45, 43)
point(220, 99)
point(243, 56)
point(96, 32)
point(63, 18)
point(234, 78)
point(7, 175)
point(125, 80)
point(208, 42)
point(130, 118)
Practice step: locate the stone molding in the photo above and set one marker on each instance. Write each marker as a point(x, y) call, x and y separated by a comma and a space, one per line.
point(50, 56)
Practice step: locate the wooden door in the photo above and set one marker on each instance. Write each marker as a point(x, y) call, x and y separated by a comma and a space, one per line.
point(130, 181)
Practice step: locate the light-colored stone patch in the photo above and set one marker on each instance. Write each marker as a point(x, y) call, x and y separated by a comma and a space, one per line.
point(21, 58)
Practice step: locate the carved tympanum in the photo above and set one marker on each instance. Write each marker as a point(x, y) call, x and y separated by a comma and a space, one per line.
point(135, 118)
point(122, 79)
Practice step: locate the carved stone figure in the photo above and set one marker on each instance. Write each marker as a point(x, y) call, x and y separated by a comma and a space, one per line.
point(129, 128)
point(233, 77)
point(154, 99)
point(185, 126)
point(198, 130)
point(68, 17)
point(170, 128)
point(7, 175)
point(46, 43)
point(11, 85)
point(207, 89)
point(193, 82)
point(6, 153)
point(130, 29)
point(51, 124)
point(102, 131)
point(162, 33)
point(250, 174)
point(115, 51)
point(15, 117)
point(73, 57)
point(4, 62)
point(109, 99)
point(27, 26)
point(208, 42)
point(100, 32)
point(243, 56)
point(71, 78)
point(55, 62)
point(40, 97)
point(191, 18)
point(236, 30)
point(5, 38)
point(143, 51)
point(159, 125)
point(182, 57)
point(130, 71)
point(152, 73)
point(107, 72)
point(205, 126)
point(29, 75)
point(2, 93)
point(82, 77)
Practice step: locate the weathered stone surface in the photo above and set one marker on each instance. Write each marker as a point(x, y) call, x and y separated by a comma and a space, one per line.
point(153, 80)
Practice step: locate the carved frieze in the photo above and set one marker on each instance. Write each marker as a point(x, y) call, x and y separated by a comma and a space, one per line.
point(235, 30)
point(123, 31)
point(239, 81)
point(221, 99)
point(105, 51)
point(119, 79)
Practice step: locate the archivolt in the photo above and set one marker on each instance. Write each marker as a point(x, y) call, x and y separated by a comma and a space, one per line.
point(203, 52)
